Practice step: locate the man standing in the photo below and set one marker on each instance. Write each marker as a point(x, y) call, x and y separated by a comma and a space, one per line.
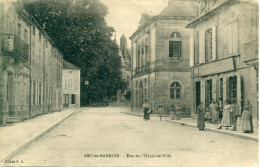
point(235, 114)
point(220, 108)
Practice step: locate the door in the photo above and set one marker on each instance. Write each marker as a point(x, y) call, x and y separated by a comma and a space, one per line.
point(197, 93)
point(10, 95)
point(66, 101)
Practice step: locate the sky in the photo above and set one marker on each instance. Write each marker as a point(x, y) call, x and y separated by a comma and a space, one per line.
point(124, 15)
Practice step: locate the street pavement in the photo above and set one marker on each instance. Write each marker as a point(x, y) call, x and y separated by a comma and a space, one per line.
point(90, 136)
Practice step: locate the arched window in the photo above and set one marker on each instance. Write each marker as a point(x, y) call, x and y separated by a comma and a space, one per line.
point(175, 46)
point(175, 90)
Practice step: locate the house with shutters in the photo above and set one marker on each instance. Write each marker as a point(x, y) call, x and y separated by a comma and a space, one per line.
point(160, 58)
point(225, 59)
point(30, 66)
point(70, 85)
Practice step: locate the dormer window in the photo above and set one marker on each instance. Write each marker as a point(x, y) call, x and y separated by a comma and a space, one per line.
point(175, 46)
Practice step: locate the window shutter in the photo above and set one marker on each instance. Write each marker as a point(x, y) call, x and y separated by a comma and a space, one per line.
point(191, 51)
point(202, 46)
point(234, 38)
point(229, 39)
point(214, 89)
point(214, 43)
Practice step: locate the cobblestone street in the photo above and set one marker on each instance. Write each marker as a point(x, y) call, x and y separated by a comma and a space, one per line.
point(84, 138)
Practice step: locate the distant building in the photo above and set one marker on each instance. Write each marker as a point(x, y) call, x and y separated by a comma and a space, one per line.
point(70, 85)
point(30, 66)
point(160, 58)
point(124, 53)
point(225, 60)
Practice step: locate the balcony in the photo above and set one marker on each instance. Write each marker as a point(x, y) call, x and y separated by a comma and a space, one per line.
point(143, 69)
point(12, 45)
point(251, 53)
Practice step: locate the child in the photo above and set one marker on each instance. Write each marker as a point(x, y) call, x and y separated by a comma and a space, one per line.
point(160, 111)
point(208, 115)
point(172, 112)
point(178, 112)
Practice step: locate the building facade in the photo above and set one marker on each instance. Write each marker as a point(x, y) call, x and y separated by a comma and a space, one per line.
point(225, 60)
point(160, 58)
point(70, 85)
point(30, 72)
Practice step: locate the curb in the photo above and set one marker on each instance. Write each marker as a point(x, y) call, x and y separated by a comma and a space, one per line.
point(35, 137)
point(217, 131)
point(139, 115)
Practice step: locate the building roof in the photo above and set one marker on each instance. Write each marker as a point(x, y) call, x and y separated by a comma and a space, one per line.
point(219, 7)
point(68, 65)
point(183, 8)
point(176, 9)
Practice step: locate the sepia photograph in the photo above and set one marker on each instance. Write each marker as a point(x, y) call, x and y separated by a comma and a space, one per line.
point(129, 83)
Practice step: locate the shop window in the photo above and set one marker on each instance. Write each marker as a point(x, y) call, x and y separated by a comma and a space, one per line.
point(208, 92)
point(175, 90)
point(232, 88)
point(221, 88)
point(73, 99)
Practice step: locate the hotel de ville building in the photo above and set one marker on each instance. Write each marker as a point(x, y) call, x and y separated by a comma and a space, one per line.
point(160, 58)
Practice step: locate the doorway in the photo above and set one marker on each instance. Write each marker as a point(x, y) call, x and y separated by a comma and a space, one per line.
point(66, 101)
point(197, 93)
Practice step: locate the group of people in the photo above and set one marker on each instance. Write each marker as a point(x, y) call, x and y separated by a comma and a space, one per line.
point(175, 111)
point(226, 115)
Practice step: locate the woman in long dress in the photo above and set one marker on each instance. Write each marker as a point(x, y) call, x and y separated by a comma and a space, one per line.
point(226, 121)
point(214, 111)
point(200, 117)
point(247, 118)
point(146, 109)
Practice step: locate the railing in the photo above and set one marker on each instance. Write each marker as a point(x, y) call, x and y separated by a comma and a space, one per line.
point(14, 46)
point(251, 50)
point(142, 69)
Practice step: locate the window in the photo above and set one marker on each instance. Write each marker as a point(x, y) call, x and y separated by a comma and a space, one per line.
point(175, 46)
point(175, 90)
point(19, 30)
point(232, 38)
point(25, 36)
point(70, 83)
point(208, 48)
point(40, 94)
point(73, 99)
point(232, 88)
point(40, 36)
point(208, 92)
point(33, 30)
point(221, 88)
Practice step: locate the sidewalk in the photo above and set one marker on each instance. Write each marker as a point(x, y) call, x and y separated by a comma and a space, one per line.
point(209, 127)
point(16, 136)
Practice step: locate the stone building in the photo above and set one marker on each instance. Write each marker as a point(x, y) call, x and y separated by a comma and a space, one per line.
point(70, 85)
point(160, 58)
point(30, 66)
point(225, 60)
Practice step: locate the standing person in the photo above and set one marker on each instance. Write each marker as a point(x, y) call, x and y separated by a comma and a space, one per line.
point(208, 116)
point(172, 112)
point(146, 109)
point(178, 112)
point(247, 124)
point(226, 116)
point(220, 108)
point(160, 111)
point(235, 113)
point(200, 117)
point(214, 111)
